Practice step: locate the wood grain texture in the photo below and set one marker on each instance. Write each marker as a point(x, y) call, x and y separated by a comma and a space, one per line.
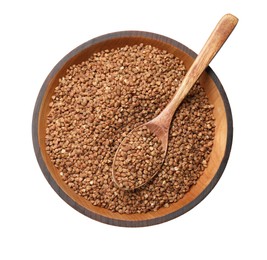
point(219, 155)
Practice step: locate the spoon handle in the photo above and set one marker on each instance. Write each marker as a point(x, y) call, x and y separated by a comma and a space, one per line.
point(216, 40)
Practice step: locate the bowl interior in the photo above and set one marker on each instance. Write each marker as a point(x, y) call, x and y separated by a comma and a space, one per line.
point(197, 192)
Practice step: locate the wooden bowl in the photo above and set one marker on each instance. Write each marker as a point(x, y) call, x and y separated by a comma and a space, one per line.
point(219, 154)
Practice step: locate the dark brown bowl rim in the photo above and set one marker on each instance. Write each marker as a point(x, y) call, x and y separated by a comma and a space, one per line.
point(101, 218)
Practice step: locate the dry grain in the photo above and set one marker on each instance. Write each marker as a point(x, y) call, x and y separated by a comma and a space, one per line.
point(138, 158)
point(98, 101)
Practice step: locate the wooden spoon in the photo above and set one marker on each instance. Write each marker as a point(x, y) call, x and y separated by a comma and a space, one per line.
point(160, 125)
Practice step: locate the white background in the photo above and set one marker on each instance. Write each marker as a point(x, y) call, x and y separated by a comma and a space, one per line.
point(36, 224)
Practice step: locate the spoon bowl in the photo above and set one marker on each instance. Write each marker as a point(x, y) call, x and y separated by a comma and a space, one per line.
point(129, 182)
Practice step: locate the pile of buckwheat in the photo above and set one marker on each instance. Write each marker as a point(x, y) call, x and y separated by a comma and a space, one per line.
point(102, 99)
point(138, 158)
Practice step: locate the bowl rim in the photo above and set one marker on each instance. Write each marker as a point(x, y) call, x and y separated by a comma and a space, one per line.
point(120, 222)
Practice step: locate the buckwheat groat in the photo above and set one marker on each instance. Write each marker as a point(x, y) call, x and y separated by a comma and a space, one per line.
point(99, 101)
point(138, 159)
